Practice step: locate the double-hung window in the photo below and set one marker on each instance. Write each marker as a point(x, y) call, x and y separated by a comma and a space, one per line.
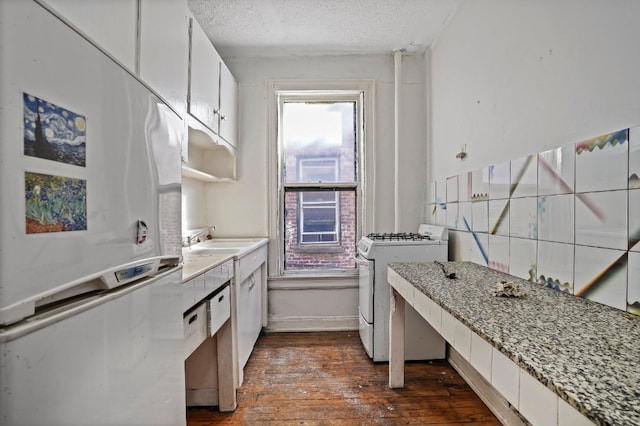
point(319, 178)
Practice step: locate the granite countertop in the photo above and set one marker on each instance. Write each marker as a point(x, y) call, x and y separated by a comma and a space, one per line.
point(587, 353)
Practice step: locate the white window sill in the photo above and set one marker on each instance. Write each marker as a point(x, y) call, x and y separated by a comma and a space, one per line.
point(314, 281)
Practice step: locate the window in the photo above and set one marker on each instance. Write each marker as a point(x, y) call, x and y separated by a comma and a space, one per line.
point(319, 181)
point(319, 215)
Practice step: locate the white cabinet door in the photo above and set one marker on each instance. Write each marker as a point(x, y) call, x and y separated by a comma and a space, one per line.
point(249, 315)
point(204, 89)
point(228, 105)
point(110, 24)
point(164, 50)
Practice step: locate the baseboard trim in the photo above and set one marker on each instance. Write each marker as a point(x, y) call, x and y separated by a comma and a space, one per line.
point(292, 324)
point(498, 405)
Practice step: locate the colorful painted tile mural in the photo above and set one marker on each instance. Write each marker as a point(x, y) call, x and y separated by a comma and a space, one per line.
point(52, 132)
point(556, 171)
point(524, 176)
point(570, 219)
point(602, 163)
point(54, 203)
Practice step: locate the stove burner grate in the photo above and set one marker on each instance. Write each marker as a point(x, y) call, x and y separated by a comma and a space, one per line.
point(398, 236)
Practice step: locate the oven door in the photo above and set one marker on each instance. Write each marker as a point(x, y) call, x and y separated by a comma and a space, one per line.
point(365, 270)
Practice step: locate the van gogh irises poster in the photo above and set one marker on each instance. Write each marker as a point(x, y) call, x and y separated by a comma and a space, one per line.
point(53, 133)
point(54, 203)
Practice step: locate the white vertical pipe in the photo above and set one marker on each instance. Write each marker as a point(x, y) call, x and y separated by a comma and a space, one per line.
point(397, 59)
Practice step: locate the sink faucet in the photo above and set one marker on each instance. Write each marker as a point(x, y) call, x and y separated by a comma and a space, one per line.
point(189, 241)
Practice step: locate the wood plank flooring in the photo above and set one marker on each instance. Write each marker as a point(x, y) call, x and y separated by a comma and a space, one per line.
point(327, 379)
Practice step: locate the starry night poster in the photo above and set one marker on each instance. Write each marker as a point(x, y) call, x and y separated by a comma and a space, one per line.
point(53, 133)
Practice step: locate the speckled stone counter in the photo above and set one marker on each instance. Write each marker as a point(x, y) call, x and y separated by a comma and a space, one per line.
point(587, 353)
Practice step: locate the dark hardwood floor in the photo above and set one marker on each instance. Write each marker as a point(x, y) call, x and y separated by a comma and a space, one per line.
point(327, 379)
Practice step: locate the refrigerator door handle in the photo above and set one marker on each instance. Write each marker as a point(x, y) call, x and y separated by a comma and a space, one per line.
point(106, 280)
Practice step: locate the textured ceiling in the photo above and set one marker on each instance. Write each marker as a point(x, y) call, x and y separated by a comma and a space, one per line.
point(259, 28)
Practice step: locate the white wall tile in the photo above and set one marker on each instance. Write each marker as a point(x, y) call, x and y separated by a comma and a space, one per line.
point(452, 189)
point(601, 219)
point(431, 193)
point(505, 377)
point(555, 265)
point(499, 253)
point(452, 216)
point(523, 258)
point(634, 158)
point(556, 218)
point(633, 290)
point(601, 276)
point(569, 416)
point(436, 317)
point(524, 176)
point(441, 214)
point(464, 187)
point(447, 329)
point(523, 217)
point(431, 214)
point(538, 404)
point(465, 212)
point(499, 217)
point(602, 163)
point(441, 191)
point(500, 180)
point(480, 184)
point(479, 249)
point(634, 220)
point(556, 170)
point(480, 357)
point(462, 339)
point(480, 211)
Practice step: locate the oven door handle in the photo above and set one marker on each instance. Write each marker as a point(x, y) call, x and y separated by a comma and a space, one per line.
point(362, 261)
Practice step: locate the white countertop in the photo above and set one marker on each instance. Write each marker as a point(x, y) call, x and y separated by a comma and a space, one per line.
point(204, 256)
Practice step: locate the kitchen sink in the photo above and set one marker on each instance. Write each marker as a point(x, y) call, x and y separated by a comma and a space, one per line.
point(196, 250)
point(222, 246)
point(237, 243)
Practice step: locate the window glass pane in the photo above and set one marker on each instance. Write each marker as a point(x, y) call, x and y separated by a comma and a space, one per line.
point(320, 229)
point(320, 139)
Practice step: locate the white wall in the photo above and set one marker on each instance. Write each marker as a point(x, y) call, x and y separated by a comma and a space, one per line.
point(194, 205)
point(513, 77)
point(241, 208)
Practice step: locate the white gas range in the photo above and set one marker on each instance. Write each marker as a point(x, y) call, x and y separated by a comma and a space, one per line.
point(375, 252)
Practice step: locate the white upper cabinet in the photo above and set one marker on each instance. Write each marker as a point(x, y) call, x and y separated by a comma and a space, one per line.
point(112, 25)
point(228, 106)
point(204, 88)
point(164, 50)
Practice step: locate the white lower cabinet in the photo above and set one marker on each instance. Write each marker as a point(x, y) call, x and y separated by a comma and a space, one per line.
point(250, 290)
point(249, 314)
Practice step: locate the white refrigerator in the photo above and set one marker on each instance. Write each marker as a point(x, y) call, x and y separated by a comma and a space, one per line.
point(90, 255)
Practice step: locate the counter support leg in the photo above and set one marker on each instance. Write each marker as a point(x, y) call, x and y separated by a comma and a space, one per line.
point(396, 340)
point(226, 379)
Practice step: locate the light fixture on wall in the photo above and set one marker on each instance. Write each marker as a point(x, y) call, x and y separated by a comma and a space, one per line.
point(463, 152)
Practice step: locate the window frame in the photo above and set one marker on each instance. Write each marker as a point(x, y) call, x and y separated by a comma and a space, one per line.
point(360, 91)
point(335, 159)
